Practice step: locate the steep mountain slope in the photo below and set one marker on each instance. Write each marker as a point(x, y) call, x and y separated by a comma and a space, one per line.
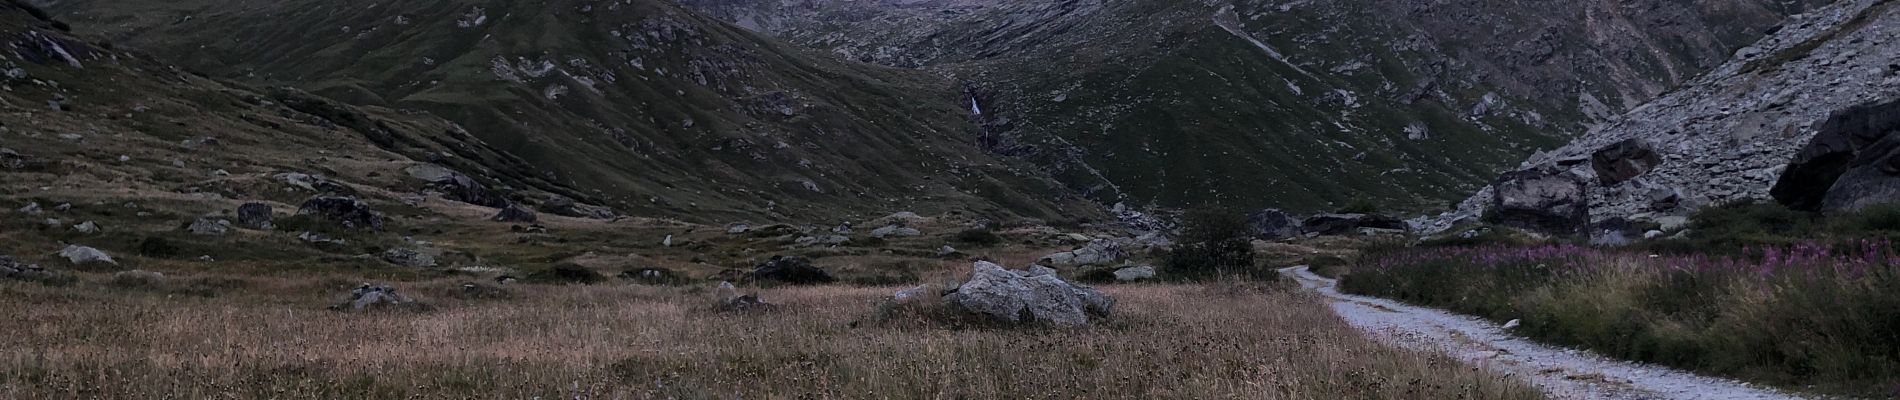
point(642, 106)
point(1830, 78)
point(1298, 104)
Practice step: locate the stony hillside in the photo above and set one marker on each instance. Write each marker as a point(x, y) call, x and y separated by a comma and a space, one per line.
point(1803, 117)
point(1296, 104)
point(637, 105)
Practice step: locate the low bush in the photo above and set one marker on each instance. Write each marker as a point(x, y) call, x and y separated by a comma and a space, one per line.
point(1212, 243)
point(979, 237)
point(565, 274)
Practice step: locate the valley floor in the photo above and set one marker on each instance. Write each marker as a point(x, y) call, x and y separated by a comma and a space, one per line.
point(268, 337)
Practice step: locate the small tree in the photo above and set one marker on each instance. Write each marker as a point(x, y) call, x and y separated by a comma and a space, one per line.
point(1212, 242)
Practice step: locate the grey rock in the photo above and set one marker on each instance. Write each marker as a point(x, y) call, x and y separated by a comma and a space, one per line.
point(825, 240)
point(1097, 252)
point(409, 258)
point(31, 209)
point(516, 213)
point(256, 216)
point(913, 294)
point(735, 229)
point(567, 207)
point(1852, 143)
point(87, 227)
point(1625, 160)
point(82, 255)
point(792, 270)
point(456, 185)
point(14, 269)
point(343, 210)
point(205, 226)
point(1541, 201)
point(895, 231)
point(1135, 274)
point(1007, 296)
point(369, 297)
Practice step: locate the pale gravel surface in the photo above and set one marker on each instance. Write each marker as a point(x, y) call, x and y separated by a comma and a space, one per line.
point(1561, 373)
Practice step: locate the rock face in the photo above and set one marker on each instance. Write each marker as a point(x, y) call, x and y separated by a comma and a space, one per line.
point(1026, 297)
point(1850, 163)
point(343, 210)
point(1624, 160)
point(793, 270)
point(516, 213)
point(1541, 201)
point(1731, 134)
point(82, 255)
point(255, 216)
point(369, 297)
point(1274, 225)
point(1097, 252)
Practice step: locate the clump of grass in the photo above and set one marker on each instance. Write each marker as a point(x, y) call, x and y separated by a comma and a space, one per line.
point(1800, 316)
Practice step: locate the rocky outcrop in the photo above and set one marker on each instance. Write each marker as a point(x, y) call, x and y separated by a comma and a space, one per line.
point(1034, 296)
point(343, 210)
point(1850, 163)
point(206, 226)
point(457, 186)
point(1097, 252)
point(1732, 134)
point(1541, 201)
point(371, 297)
point(1624, 160)
point(792, 270)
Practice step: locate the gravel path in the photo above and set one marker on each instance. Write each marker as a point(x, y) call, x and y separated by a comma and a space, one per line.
point(1561, 373)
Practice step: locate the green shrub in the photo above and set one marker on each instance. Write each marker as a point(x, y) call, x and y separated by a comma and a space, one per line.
point(565, 274)
point(159, 247)
point(1212, 243)
point(979, 236)
point(1361, 205)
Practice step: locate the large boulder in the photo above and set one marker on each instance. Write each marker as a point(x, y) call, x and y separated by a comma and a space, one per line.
point(1097, 252)
point(1135, 274)
point(1274, 224)
point(456, 185)
point(793, 270)
point(82, 255)
point(1541, 201)
point(1028, 296)
point(255, 216)
point(343, 210)
point(516, 213)
point(1850, 163)
point(1625, 160)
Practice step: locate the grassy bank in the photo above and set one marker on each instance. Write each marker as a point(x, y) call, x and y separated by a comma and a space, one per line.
point(269, 337)
point(1810, 316)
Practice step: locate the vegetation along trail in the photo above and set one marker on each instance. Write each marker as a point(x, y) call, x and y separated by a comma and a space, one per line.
point(1562, 373)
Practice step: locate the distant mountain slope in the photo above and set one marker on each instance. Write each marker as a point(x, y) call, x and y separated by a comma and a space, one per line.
point(1831, 77)
point(643, 106)
point(1299, 104)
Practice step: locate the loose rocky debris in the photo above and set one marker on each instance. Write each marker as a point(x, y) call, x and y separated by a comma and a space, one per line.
point(206, 226)
point(729, 300)
point(1097, 252)
point(255, 216)
point(371, 297)
point(1032, 296)
point(14, 269)
point(409, 258)
point(516, 213)
point(792, 270)
point(82, 255)
point(343, 210)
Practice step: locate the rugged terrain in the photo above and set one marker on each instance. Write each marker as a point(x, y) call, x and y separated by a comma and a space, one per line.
point(636, 105)
point(1303, 105)
point(1765, 126)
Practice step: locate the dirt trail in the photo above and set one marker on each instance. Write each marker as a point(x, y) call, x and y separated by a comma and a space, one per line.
point(1561, 373)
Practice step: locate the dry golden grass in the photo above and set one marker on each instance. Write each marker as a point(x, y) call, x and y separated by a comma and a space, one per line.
point(271, 338)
